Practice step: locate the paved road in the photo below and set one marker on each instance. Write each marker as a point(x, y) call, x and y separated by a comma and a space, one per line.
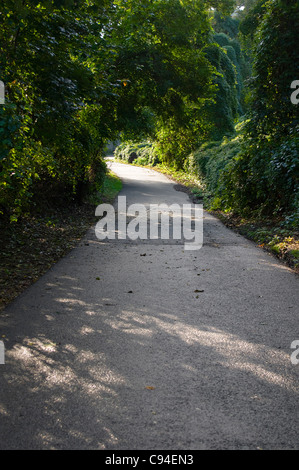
point(113, 348)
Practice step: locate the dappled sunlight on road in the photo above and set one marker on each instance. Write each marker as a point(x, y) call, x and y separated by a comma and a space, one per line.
point(128, 346)
point(233, 351)
point(98, 370)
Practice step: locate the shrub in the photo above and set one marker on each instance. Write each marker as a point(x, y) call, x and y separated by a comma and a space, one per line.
point(264, 177)
point(211, 160)
point(141, 153)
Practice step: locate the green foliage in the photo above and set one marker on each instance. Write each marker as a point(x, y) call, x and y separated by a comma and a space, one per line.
point(168, 73)
point(275, 67)
point(52, 72)
point(226, 25)
point(252, 18)
point(79, 74)
point(223, 111)
point(109, 189)
point(210, 162)
point(264, 178)
point(140, 153)
point(234, 64)
point(192, 85)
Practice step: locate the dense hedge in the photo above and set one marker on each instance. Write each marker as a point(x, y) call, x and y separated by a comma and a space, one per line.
point(140, 153)
point(264, 179)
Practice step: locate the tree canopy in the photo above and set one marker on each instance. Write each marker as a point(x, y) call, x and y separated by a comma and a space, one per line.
point(80, 73)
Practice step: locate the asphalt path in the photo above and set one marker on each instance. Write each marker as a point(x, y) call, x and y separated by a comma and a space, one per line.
point(144, 344)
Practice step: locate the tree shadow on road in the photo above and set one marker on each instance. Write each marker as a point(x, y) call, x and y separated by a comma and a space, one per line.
point(130, 373)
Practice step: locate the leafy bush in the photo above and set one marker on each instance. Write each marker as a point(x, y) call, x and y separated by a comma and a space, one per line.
point(141, 153)
point(210, 161)
point(264, 177)
point(223, 111)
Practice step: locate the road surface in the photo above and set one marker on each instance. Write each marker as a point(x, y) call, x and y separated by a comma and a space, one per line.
point(145, 345)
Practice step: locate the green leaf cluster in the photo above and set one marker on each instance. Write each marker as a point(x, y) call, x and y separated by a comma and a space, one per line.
point(59, 108)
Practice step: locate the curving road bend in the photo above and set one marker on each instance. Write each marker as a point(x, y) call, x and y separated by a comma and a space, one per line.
point(145, 345)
